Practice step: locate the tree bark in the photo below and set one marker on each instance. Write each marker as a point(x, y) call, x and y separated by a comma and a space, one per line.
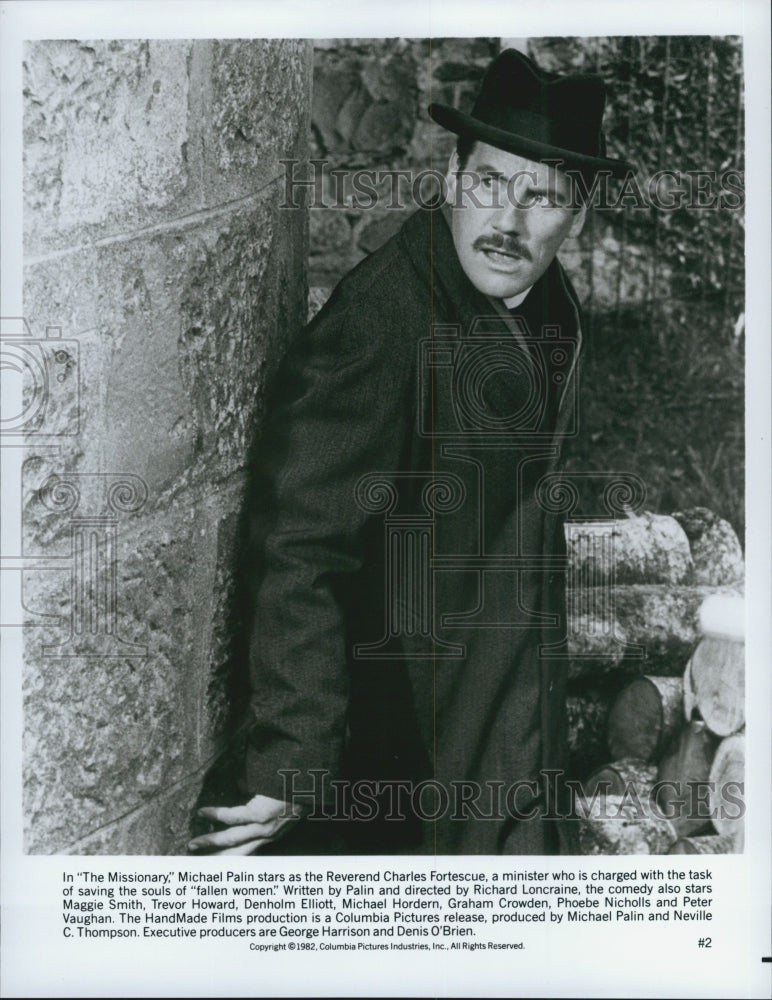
point(619, 776)
point(617, 825)
point(711, 844)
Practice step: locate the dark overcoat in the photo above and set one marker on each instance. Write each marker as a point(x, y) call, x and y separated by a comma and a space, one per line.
point(409, 570)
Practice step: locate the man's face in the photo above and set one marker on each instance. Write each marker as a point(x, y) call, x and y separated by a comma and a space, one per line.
point(509, 218)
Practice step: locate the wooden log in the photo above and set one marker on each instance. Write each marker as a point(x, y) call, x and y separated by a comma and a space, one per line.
point(685, 770)
point(648, 548)
point(596, 644)
point(718, 680)
point(689, 702)
point(712, 844)
point(662, 620)
point(645, 717)
point(620, 776)
point(614, 824)
point(727, 781)
point(715, 548)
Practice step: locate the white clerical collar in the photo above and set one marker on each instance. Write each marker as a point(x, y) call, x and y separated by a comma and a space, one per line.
point(517, 299)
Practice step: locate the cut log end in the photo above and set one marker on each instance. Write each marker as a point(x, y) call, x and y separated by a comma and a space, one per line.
point(717, 672)
point(645, 717)
point(727, 786)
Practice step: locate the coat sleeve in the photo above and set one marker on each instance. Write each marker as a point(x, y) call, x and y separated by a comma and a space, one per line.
point(341, 409)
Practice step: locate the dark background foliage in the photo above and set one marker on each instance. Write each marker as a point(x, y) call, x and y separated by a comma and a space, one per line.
point(662, 389)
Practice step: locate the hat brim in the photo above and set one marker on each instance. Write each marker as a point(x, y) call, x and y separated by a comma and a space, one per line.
point(464, 124)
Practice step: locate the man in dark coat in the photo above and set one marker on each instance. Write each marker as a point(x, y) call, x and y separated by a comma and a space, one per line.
point(408, 687)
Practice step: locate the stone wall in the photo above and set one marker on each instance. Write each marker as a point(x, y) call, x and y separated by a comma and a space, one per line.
point(161, 283)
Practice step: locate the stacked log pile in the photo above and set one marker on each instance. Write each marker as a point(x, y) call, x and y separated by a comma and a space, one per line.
point(656, 684)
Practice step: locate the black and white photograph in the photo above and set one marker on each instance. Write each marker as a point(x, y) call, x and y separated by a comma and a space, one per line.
point(385, 482)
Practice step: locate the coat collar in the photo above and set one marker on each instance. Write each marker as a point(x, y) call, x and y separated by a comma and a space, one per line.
point(428, 242)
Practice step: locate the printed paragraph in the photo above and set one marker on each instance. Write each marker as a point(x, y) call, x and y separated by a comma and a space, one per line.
point(384, 909)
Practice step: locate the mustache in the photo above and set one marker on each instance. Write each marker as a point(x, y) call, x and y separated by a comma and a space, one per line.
point(502, 243)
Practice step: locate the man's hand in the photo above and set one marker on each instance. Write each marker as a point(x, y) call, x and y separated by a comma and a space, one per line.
point(247, 827)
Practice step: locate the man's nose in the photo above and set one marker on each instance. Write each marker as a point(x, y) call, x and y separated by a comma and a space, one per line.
point(511, 217)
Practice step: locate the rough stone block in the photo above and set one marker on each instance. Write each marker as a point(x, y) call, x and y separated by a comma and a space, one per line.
point(223, 707)
point(162, 826)
point(117, 302)
point(57, 503)
point(242, 297)
point(105, 726)
point(104, 731)
point(178, 326)
point(122, 135)
point(113, 718)
point(105, 137)
point(254, 112)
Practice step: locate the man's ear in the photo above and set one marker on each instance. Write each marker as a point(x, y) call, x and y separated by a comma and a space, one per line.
point(577, 224)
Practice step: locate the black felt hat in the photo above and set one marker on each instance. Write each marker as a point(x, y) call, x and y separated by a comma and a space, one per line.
point(538, 115)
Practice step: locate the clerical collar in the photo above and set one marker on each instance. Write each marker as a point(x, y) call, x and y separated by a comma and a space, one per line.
point(515, 301)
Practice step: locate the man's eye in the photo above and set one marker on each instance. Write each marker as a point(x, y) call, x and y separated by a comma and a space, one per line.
point(487, 182)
